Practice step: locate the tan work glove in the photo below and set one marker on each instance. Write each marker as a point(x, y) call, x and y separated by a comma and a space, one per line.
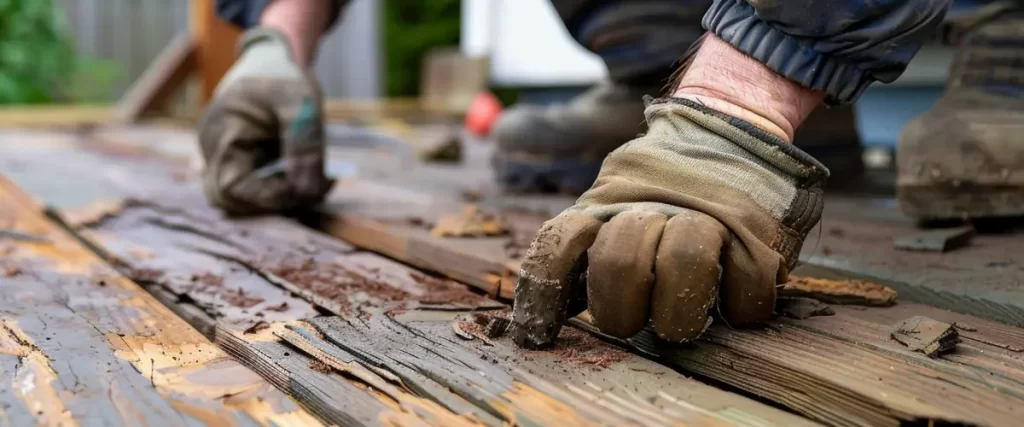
point(262, 136)
point(705, 211)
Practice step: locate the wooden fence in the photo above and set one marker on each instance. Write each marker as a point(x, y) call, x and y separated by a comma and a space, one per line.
point(132, 32)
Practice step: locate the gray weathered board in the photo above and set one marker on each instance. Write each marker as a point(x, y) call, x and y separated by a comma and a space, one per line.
point(783, 363)
point(207, 259)
point(82, 345)
point(238, 273)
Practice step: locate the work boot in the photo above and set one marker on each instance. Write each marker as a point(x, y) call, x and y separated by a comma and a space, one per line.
point(560, 148)
point(965, 157)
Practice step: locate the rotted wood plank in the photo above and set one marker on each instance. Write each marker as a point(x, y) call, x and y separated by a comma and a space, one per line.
point(132, 236)
point(209, 272)
point(234, 271)
point(845, 369)
point(781, 364)
point(82, 345)
point(583, 368)
point(784, 365)
point(145, 236)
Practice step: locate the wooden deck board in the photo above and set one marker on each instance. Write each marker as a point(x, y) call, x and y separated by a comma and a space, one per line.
point(823, 388)
point(190, 251)
point(276, 248)
point(784, 364)
point(173, 244)
point(81, 344)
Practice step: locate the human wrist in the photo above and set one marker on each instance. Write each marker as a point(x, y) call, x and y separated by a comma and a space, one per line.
point(724, 79)
point(301, 23)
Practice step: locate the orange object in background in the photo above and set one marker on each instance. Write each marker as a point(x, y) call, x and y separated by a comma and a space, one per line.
point(482, 113)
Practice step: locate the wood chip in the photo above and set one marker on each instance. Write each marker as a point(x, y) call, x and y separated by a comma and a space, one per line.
point(803, 308)
point(471, 222)
point(855, 292)
point(282, 307)
point(964, 327)
point(926, 335)
point(259, 326)
point(93, 213)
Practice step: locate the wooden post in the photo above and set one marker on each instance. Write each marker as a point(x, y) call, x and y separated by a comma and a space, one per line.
point(216, 41)
point(155, 87)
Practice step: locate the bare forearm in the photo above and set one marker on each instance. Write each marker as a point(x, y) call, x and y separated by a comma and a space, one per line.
point(302, 22)
point(727, 80)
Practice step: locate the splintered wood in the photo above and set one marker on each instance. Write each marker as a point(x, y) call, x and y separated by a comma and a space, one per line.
point(885, 383)
point(857, 292)
point(81, 344)
point(361, 346)
point(925, 335)
point(471, 222)
point(183, 250)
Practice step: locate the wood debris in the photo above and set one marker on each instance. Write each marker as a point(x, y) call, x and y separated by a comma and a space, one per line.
point(926, 335)
point(853, 292)
point(964, 327)
point(485, 326)
point(93, 213)
point(282, 307)
point(803, 308)
point(320, 366)
point(259, 326)
point(471, 222)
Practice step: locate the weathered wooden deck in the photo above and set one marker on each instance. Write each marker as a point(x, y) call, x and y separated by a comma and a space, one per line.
point(373, 320)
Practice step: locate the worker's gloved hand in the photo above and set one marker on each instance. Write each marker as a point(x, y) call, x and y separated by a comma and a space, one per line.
point(702, 217)
point(262, 136)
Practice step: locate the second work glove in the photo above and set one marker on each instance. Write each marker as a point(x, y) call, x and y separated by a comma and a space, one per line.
point(701, 217)
point(262, 137)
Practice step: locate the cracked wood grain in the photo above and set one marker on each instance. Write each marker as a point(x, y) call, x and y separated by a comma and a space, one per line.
point(527, 386)
point(742, 359)
point(784, 381)
point(148, 248)
point(846, 372)
point(82, 345)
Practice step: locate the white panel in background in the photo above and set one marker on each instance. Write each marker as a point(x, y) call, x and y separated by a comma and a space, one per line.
point(529, 47)
point(527, 43)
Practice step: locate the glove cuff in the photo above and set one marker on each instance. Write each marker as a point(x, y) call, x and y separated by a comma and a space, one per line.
point(797, 209)
point(264, 36)
point(783, 155)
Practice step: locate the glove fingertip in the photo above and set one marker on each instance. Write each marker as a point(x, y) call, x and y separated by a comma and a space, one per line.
point(549, 278)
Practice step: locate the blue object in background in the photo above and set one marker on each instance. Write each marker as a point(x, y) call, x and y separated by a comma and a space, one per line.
point(883, 111)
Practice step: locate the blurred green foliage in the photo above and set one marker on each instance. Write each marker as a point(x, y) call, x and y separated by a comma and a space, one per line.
point(411, 29)
point(38, 61)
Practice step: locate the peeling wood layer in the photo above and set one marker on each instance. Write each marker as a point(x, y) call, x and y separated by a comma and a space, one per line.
point(842, 371)
point(837, 394)
point(81, 344)
point(792, 363)
point(365, 387)
point(140, 236)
